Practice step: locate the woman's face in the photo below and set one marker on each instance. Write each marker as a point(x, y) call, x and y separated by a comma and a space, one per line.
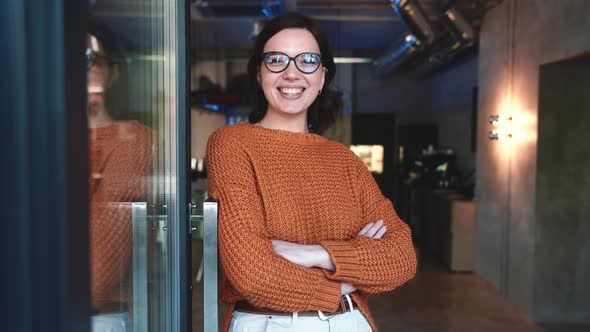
point(291, 92)
point(100, 76)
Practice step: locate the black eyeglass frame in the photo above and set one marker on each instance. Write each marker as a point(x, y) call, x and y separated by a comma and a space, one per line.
point(291, 58)
point(92, 56)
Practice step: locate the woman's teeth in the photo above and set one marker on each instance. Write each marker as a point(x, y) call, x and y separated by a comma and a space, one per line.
point(291, 91)
point(95, 89)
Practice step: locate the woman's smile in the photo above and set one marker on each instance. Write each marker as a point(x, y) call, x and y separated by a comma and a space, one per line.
point(291, 92)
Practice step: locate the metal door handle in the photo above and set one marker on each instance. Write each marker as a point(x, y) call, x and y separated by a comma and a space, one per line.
point(210, 214)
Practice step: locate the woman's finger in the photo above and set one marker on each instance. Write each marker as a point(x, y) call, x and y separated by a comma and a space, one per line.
point(363, 231)
point(374, 229)
point(380, 232)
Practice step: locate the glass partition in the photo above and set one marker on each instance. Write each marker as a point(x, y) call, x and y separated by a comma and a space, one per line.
point(135, 55)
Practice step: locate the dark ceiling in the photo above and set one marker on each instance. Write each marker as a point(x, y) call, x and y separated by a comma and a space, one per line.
point(354, 27)
point(359, 26)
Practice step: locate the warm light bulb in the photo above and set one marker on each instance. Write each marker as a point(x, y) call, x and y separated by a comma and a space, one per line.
point(502, 126)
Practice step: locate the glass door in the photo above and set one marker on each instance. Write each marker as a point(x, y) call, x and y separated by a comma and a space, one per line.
point(138, 142)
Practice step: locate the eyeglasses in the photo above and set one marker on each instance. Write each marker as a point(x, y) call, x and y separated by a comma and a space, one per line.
point(306, 62)
point(94, 58)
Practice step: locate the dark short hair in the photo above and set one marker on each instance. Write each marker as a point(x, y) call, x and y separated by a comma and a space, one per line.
point(322, 112)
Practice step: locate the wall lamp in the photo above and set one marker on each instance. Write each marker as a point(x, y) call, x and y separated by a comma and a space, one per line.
point(501, 127)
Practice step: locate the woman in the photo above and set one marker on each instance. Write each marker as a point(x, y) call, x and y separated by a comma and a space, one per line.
point(305, 234)
point(120, 159)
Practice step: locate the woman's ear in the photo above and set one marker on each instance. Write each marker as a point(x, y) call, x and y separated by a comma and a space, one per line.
point(258, 78)
point(324, 70)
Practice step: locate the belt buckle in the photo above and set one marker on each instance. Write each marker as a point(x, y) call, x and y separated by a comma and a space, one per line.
point(343, 305)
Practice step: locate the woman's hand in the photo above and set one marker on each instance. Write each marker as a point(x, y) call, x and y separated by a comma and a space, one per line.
point(346, 288)
point(315, 255)
point(374, 230)
point(303, 255)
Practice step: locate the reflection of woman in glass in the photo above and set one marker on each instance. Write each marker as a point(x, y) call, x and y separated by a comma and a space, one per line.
point(120, 159)
point(305, 234)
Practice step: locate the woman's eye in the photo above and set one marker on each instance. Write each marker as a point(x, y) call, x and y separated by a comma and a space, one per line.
point(274, 59)
point(309, 59)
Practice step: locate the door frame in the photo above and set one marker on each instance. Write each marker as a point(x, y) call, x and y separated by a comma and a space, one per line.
point(44, 175)
point(182, 285)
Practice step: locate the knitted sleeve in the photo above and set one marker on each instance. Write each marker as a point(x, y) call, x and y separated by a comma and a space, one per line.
point(262, 277)
point(374, 266)
point(121, 180)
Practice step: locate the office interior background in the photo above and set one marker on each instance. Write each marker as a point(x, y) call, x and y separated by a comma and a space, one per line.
point(471, 114)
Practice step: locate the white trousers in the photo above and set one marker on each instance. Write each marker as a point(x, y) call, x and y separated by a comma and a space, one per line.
point(352, 321)
point(119, 322)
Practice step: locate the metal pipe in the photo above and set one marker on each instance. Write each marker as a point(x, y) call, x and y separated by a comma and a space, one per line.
point(392, 60)
point(414, 19)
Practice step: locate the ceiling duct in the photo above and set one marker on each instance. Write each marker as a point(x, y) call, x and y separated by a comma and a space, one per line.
point(396, 57)
point(422, 35)
point(427, 52)
point(461, 27)
point(461, 36)
point(414, 19)
point(239, 8)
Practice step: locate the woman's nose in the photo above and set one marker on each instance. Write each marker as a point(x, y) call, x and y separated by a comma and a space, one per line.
point(291, 72)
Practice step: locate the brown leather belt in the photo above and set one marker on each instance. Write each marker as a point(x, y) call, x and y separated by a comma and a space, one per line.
point(245, 306)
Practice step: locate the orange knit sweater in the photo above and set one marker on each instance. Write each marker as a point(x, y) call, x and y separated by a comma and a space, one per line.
point(120, 159)
point(303, 188)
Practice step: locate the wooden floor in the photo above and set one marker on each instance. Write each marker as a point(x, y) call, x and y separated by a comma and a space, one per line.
point(440, 301)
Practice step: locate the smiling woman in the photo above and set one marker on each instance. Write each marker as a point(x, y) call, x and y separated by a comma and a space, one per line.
point(295, 38)
point(305, 234)
point(289, 90)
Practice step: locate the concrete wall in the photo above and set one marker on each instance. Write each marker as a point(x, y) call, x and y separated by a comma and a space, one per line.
point(562, 249)
point(515, 38)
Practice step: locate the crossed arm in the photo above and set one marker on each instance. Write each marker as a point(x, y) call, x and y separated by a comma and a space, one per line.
point(317, 256)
